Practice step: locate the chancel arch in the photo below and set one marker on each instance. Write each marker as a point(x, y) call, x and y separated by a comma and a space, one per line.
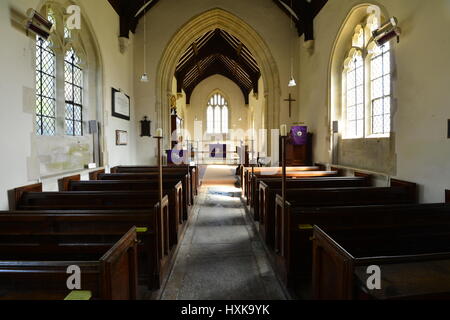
point(361, 95)
point(195, 29)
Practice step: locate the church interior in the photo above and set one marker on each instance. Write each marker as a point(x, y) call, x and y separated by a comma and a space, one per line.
point(224, 150)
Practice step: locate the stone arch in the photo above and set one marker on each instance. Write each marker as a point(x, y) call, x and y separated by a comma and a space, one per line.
point(196, 27)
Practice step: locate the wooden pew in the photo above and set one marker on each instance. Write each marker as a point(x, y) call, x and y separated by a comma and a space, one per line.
point(94, 174)
point(124, 200)
point(248, 171)
point(364, 181)
point(183, 177)
point(253, 185)
point(293, 230)
point(34, 266)
point(63, 183)
point(153, 264)
point(177, 225)
point(414, 259)
point(269, 188)
point(154, 178)
point(193, 172)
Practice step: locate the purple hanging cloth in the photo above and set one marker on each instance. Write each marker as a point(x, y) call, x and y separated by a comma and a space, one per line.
point(299, 135)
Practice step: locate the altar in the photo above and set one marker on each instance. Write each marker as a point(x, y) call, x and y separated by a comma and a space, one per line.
point(218, 151)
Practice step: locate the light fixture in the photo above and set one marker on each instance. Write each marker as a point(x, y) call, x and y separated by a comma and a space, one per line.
point(38, 24)
point(386, 32)
point(144, 77)
point(292, 83)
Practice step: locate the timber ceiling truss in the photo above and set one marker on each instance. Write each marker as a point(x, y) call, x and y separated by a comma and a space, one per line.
point(302, 11)
point(217, 52)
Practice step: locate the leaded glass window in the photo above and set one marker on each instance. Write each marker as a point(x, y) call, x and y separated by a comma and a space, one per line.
point(355, 97)
point(217, 114)
point(45, 88)
point(73, 75)
point(381, 89)
point(367, 84)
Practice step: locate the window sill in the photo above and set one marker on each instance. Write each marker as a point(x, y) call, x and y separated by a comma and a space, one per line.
point(371, 137)
point(379, 136)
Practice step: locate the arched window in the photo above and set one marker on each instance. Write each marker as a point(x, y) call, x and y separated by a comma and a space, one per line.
point(64, 49)
point(367, 84)
point(45, 87)
point(217, 115)
point(73, 76)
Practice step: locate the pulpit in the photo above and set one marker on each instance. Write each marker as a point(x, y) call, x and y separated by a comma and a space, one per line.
point(298, 147)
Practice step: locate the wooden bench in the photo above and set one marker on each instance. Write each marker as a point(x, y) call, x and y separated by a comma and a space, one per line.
point(34, 266)
point(414, 259)
point(31, 198)
point(94, 174)
point(269, 188)
point(253, 187)
point(365, 181)
point(293, 230)
point(273, 171)
point(183, 177)
point(153, 263)
point(193, 172)
point(177, 224)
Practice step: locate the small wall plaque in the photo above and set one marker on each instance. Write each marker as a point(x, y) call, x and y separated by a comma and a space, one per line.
point(121, 138)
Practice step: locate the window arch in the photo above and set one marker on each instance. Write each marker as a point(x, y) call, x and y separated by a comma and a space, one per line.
point(217, 114)
point(366, 93)
point(45, 86)
point(59, 62)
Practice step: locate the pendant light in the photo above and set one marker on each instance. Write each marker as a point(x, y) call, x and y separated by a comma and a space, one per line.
point(144, 77)
point(292, 82)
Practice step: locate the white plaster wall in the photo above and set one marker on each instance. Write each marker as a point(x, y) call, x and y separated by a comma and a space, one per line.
point(18, 166)
point(167, 17)
point(423, 99)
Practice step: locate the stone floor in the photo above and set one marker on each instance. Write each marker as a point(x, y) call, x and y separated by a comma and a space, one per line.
point(221, 257)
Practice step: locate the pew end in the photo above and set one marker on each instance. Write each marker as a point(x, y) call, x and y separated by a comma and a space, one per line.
point(94, 174)
point(63, 183)
point(447, 196)
point(367, 176)
point(410, 186)
point(340, 171)
point(15, 195)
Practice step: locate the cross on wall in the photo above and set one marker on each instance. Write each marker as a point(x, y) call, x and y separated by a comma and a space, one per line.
point(290, 100)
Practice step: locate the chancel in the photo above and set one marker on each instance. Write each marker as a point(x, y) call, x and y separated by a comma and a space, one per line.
point(224, 150)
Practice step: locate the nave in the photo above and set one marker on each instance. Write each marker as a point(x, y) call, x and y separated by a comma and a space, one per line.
point(221, 256)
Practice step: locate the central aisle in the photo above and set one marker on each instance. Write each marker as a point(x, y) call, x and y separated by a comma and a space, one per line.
point(221, 258)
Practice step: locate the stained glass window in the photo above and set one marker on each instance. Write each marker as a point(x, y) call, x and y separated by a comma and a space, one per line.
point(73, 75)
point(45, 89)
point(217, 115)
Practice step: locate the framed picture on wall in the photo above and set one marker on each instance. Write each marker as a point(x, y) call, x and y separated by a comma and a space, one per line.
point(121, 138)
point(120, 105)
